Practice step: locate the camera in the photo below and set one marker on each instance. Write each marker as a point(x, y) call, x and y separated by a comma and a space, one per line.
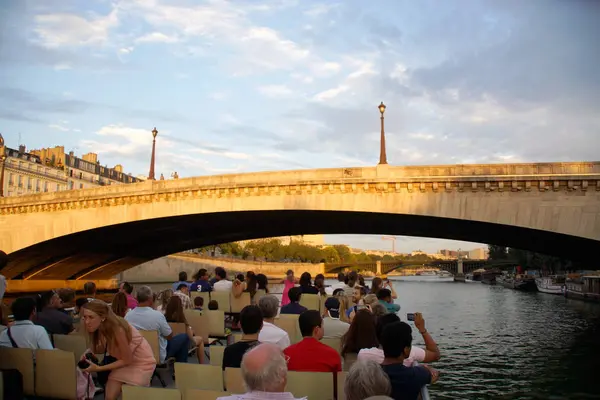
point(89, 357)
point(410, 317)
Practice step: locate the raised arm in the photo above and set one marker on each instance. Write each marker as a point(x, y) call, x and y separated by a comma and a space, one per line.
point(432, 351)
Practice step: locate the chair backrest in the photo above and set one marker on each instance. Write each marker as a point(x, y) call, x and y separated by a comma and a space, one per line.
point(348, 360)
point(216, 355)
point(236, 337)
point(152, 338)
point(76, 344)
point(290, 325)
point(199, 323)
point(196, 376)
point(234, 383)
point(341, 381)
point(224, 300)
point(314, 385)
point(237, 303)
point(197, 394)
point(204, 295)
point(216, 322)
point(21, 359)
point(149, 393)
point(178, 328)
point(55, 374)
point(334, 343)
point(259, 293)
point(311, 301)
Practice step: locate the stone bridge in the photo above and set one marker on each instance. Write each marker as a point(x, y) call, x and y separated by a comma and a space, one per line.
point(385, 267)
point(551, 208)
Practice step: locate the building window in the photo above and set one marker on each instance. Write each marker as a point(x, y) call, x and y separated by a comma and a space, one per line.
point(20, 181)
point(29, 183)
point(45, 186)
point(81, 186)
point(71, 185)
point(81, 175)
point(37, 185)
point(11, 180)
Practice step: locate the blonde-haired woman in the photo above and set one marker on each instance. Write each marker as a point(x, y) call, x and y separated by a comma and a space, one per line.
point(128, 358)
point(163, 299)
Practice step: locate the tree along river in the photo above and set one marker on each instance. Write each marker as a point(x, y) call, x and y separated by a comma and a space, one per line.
point(504, 344)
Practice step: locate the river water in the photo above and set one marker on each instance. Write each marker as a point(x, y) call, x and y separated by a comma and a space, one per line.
point(498, 343)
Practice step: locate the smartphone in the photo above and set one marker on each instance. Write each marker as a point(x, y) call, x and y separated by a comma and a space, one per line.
point(410, 317)
point(361, 307)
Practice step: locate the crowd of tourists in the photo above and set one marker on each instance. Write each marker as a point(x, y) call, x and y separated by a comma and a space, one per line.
point(363, 318)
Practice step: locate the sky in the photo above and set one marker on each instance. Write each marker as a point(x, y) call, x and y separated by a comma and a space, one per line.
point(255, 85)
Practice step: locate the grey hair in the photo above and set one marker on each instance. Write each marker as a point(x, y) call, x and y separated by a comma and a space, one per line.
point(268, 305)
point(378, 309)
point(143, 294)
point(271, 374)
point(366, 379)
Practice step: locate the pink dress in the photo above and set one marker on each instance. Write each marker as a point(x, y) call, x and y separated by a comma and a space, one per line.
point(139, 372)
point(287, 285)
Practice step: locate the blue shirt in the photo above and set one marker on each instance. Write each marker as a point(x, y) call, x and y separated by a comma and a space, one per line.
point(293, 308)
point(27, 336)
point(390, 307)
point(176, 285)
point(147, 319)
point(201, 286)
point(407, 382)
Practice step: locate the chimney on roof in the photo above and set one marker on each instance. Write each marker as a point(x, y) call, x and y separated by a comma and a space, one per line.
point(22, 148)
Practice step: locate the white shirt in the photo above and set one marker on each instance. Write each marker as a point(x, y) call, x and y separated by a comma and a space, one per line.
point(262, 396)
point(147, 319)
point(27, 336)
point(223, 286)
point(273, 334)
point(339, 285)
point(376, 354)
point(334, 328)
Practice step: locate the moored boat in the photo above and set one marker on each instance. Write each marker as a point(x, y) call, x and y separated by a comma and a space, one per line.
point(523, 282)
point(489, 276)
point(553, 284)
point(584, 288)
point(470, 278)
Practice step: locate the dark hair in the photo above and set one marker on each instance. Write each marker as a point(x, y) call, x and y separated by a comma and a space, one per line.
point(251, 320)
point(361, 334)
point(220, 272)
point(305, 279)
point(66, 295)
point(336, 291)
point(250, 274)
point(181, 286)
point(43, 300)
point(396, 337)
point(361, 280)
point(127, 287)
point(89, 288)
point(294, 294)
point(289, 271)
point(308, 321)
point(199, 301)
point(320, 285)
point(182, 276)
point(213, 305)
point(383, 294)
point(376, 285)
point(22, 308)
point(341, 277)
point(352, 278)
point(262, 281)
point(81, 301)
point(240, 277)
point(321, 276)
point(384, 321)
point(119, 304)
point(201, 272)
point(252, 284)
point(3, 259)
point(174, 311)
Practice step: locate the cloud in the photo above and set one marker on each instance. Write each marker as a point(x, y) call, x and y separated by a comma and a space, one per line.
point(276, 91)
point(58, 127)
point(62, 29)
point(156, 37)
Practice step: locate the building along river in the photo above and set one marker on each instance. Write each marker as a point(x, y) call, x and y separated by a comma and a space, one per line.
point(504, 344)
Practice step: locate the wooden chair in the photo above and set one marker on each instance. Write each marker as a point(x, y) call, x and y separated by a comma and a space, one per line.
point(196, 376)
point(216, 325)
point(334, 343)
point(224, 300)
point(76, 344)
point(55, 374)
point(234, 383)
point(311, 301)
point(197, 394)
point(152, 338)
point(216, 355)
point(289, 323)
point(178, 328)
point(341, 381)
point(236, 337)
point(314, 385)
point(238, 303)
point(149, 393)
point(21, 359)
point(204, 295)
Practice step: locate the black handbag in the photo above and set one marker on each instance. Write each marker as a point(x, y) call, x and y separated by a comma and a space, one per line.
point(103, 375)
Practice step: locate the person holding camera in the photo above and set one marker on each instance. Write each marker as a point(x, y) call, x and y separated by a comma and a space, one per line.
point(128, 357)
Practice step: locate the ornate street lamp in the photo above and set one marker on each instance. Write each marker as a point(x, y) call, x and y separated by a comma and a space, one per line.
point(152, 159)
point(382, 154)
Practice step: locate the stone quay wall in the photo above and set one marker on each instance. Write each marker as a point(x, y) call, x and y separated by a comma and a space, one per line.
point(166, 269)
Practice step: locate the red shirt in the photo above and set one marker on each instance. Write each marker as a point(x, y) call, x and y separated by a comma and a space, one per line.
point(310, 355)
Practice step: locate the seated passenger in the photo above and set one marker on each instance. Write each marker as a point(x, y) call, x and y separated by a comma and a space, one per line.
point(332, 326)
point(23, 333)
point(51, 317)
point(251, 320)
point(407, 382)
point(294, 306)
point(198, 303)
point(213, 305)
point(385, 298)
point(366, 379)
point(271, 333)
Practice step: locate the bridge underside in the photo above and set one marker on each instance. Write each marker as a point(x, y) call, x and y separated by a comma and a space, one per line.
point(104, 252)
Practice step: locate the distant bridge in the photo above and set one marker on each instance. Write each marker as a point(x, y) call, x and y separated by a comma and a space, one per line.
point(385, 267)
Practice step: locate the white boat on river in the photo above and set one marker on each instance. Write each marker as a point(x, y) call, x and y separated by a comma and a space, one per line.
point(553, 284)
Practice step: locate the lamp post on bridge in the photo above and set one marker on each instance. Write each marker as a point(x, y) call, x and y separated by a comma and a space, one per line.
point(152, 159)
point(382, 154)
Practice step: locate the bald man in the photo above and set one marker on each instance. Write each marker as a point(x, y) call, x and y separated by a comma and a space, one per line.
point(264, 371)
